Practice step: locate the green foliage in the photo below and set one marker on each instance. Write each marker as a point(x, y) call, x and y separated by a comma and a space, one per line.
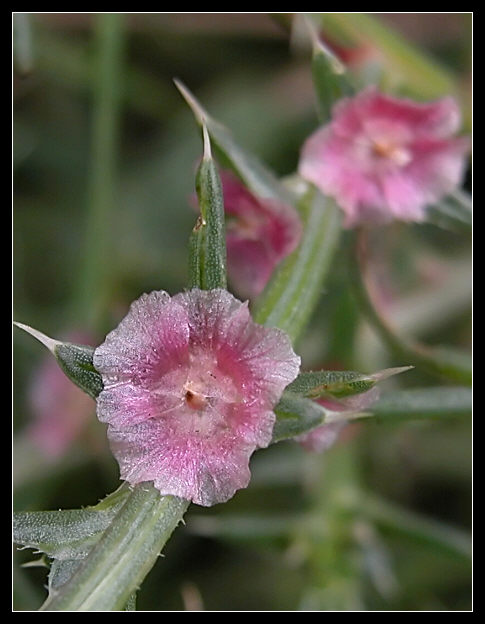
point(440, 402)
point(207, 244)
point(255, 175)
point(290, 297)
point(101, 554)
point(77, 363)
point(338, 384)
point(310, 532)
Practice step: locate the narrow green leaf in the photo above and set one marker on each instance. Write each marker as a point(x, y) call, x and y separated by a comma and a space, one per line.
point(207, 245)
point(290, 297)
point(296, 415)
point(123, 556)
point(423, 403)
point(255, 175)
point(23, 55)
point(76, 361)
point(330, 79)
point(429, 532)
point(404, 62)
point(453, 212)
point(338, 384)
point(67, 534)
point(196, 240)
point(96, 267)
point(61, 571)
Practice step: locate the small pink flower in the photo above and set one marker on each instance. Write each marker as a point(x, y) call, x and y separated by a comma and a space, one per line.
point(260, 234)
point(322, 438)
point(61, 411)
point(385, 158)
point(190, 383)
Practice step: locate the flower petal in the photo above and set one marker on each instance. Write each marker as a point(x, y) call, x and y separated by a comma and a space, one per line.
point(386, 158)
point(190, 383)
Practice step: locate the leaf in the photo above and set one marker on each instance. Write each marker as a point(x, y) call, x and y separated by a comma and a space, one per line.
point(296, 415)
point(23, 56)
point(453, 212)
point(330, 79)
point(405, 63)
point(290, 297)
point(338, 384)
point(61, 571)
point(68, 534)
point(395, 520)
point(76, 361)
point(207, 245)
point(102, 553)
point(423, 403)
point(123, 556)
point(255, 175)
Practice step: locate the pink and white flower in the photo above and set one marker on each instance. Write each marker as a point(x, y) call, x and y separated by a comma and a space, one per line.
point(190, 383)
point(385, 158)
point(260, 234)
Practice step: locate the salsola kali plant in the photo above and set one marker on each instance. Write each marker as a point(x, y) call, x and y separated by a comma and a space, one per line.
point(190, 385)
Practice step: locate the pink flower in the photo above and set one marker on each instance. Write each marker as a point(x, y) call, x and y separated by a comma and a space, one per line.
point(322, 438)
point(260, 234)
point(190, 383)
point(61, 411)
point(385, 158)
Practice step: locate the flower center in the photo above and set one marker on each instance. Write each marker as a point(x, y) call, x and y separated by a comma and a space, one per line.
point(391, 151)
point(195, 400)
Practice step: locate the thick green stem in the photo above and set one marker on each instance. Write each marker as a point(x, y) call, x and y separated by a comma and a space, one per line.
point(290, 298)
point(334, 564)
point(95, 267)
point(119, 562)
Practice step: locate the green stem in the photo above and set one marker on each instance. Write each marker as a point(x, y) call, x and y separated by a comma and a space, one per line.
point(335, 566)
point(128, 549)
point(437, 535)
point(22, 43)
point(439, 361)
point(404, 62)
point(291, 296)
point(95, 269)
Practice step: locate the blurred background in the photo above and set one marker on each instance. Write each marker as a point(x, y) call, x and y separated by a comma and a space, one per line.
point(104, 153)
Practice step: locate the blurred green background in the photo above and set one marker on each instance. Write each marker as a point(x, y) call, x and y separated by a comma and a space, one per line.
point(104, 152)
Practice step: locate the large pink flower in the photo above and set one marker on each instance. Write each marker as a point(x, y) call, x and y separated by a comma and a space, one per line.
point(386, 158)
point(190, 383)
point(260, 234)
